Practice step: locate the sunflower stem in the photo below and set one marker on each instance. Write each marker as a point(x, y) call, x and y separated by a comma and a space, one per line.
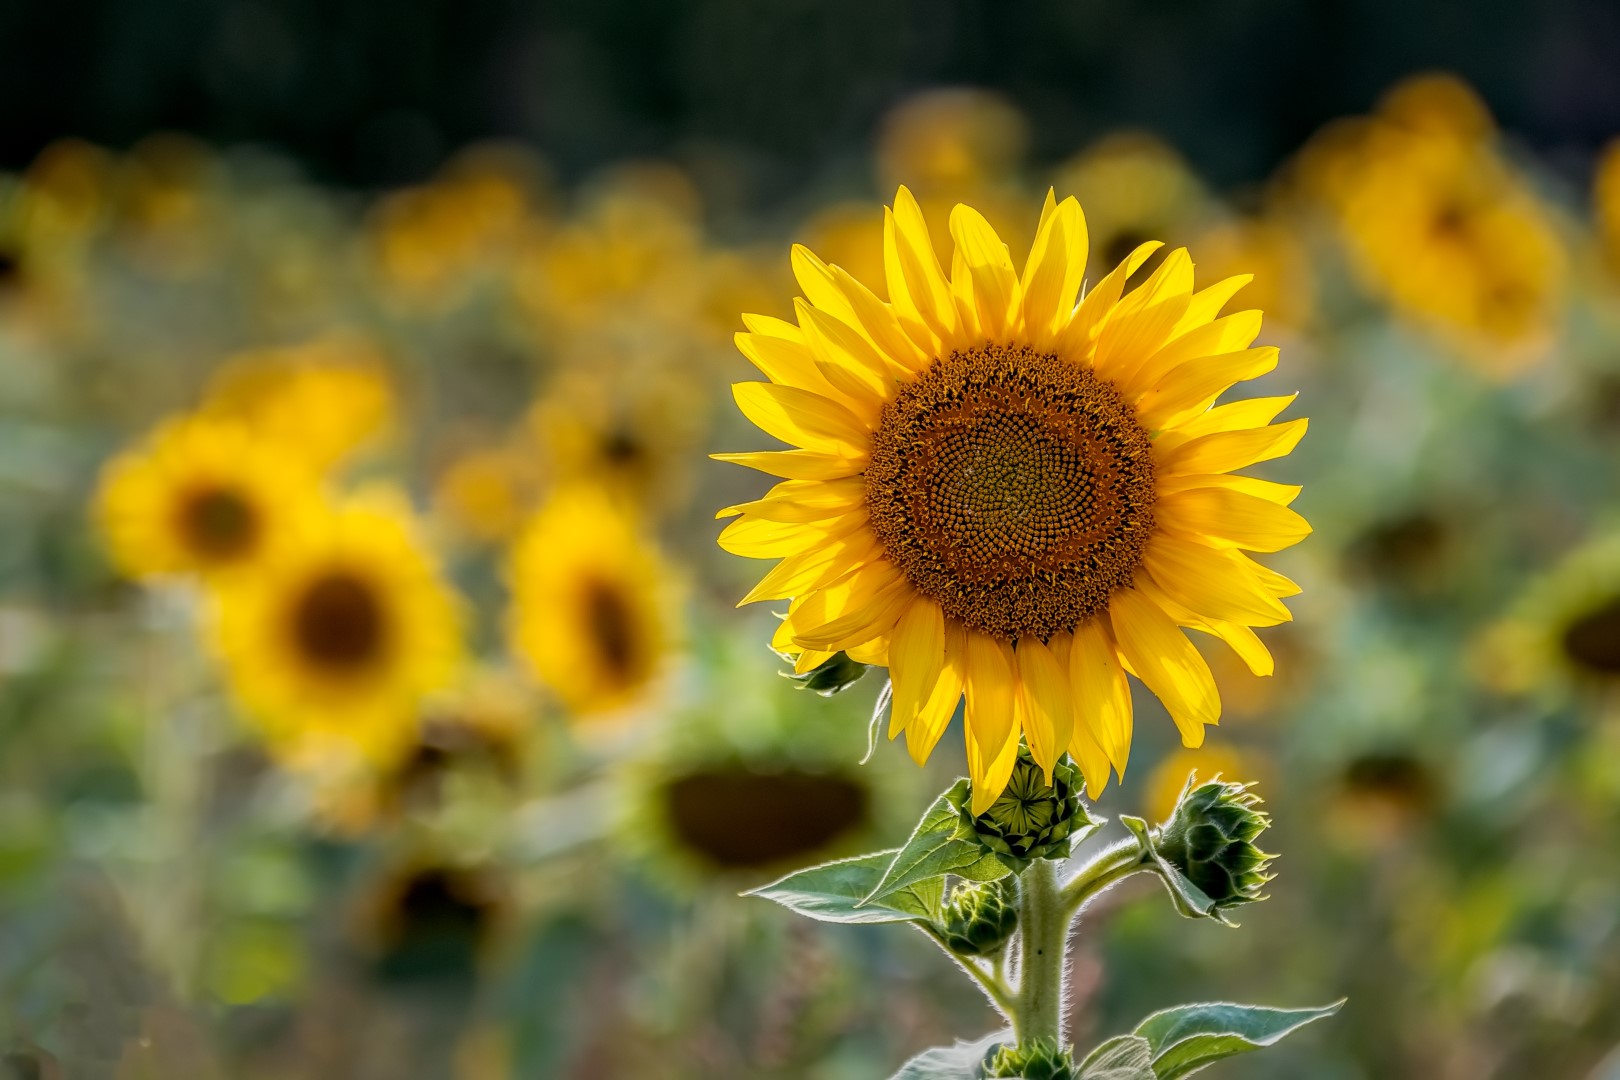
point(1044, 918)
point(1111, 865)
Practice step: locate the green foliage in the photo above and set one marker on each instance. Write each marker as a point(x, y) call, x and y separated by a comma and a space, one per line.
point(964, 1061)
point(936, 848)
point(842, 892)
point(1125, 1057)
point(1040, 1059)
point(1180, 1041)
point(832, 676)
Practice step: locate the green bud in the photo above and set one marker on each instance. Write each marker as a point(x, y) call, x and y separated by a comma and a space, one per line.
point(1210, 838)
point(1032, 819)
point(833, 675)
point(980, 917)
point(1039, 1059)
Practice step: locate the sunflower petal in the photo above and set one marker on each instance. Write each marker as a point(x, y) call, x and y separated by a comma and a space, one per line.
point(1079, 339)
point(1048, 703)
point(1207, 303)
point(821, 565)
point(1231, 334)
point(1142, 323)
point(990, 691)
point(916, 654)
point(756, 538)
point(1193, 388)
point(804, 500)
point(794, 464)
point(1102, 697)
point(1166, 662)
point(917, 285)
point(815, 279)
point(1211, 582)
point(1053, 273)
point(1231, 519)
point(1083, 746)
point(934, 717)
point(803, 419)
point(994, 282)
point(1223, 451)
point(1233, 416)
point(887, 593)
point(879, 324)
point(990, 767)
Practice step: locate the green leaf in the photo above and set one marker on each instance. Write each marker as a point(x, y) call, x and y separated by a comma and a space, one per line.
point(964, 1061)
point(1191, 901)
point(837, 892)
point(1124, 1057)
point(1187, 1038)
point(935, 849)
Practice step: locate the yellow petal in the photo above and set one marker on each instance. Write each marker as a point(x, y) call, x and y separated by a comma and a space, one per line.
point(803, 419)
point(887, 594)
point(841, 352)
point(1166, 662)
point(1207, 303)
point(787, 362)
point(804, 500)
point(934, 717)
point(1048, 703)
point(1278, 585)
point(880, 325)
point(756, 538)
point(821, 565)
point(1233, 416)
point(1242, 640)
point(1193, 387)
point(1102, 697)
point(815, 278)
point(1223, 451)
point(794, 464)
point(990, 690)
point(1053, 273)
point(1142, 323)
point(1270, 490)
point(771, 326)
point(1231, 334)
point(1079, 339)
point(916, 653)
point(990, 768)
point(1083, 746)
point(917, 285)
point(1229, 518)
point(1210, 582)
point(994, 290)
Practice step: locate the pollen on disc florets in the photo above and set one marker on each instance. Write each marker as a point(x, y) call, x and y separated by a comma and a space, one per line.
point(1014, 488)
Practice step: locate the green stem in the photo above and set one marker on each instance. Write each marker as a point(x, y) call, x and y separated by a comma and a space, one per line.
point(1110, 865)
point(1043, 916)
point(991, 981)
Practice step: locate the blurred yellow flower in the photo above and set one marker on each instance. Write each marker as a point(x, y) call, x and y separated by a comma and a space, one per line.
point(1169, 777)
point(1606, 203)
point(1135, 188)
point(201, 495)
point(1005, 495)
point(590, 609)
point(333, 644)
point(484, 494)
point(1440, 226)
point(429, 244)
point(1284, 284)
point(321, 400)
point(950, 140)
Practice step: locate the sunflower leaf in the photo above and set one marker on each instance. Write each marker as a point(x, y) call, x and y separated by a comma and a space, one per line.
point(1124, 1057)
point(937, 848)
point(1188, 1038)
point(963, 1061)
point(838, 891)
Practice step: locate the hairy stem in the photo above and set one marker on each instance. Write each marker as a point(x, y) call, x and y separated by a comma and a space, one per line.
point(1110, 865)
point(1043, 917)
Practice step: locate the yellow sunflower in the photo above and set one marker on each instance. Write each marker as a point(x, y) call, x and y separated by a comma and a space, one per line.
point(202, 495)
point(589, 611)
point(335, 641)
point(321, 400)
point(1001, 494)
point(1606, 203)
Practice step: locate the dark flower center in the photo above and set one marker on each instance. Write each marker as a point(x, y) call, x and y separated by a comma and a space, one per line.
point(338, 622)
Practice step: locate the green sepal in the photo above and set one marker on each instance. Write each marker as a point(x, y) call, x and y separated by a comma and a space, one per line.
point(964, 1061)
point(935, 849)
point(1124, 1057)
point(1190, 1037)
point(832, 676)
point(1191, 901)
point(841, 892)
point(1031, 819)
point(1039, 1059)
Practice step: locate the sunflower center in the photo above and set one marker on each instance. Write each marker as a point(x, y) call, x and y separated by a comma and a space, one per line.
point(1593, 640)
point(611, 626)
point(219, 523)
point(739, 819)
point(338, 622)
point(1014, 488)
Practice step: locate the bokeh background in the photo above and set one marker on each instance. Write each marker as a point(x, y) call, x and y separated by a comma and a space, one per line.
point(372, 701)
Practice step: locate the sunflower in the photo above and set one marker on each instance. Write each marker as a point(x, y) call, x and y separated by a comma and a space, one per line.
point(201, 495)
point(589, 612)
point(334, 642)
point(321, 400)
point(1001, 494)
point(1606, 203)
point(1136, 188)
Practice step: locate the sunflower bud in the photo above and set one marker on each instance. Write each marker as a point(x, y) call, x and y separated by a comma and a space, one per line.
point(1032, 819)
point(1209, 840)
point(980, 917)
point(1038, 1059)
point(835, 674)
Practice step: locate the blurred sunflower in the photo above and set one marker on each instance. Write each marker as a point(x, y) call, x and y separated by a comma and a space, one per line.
point(431, 921)
point(1272, 250)
point(1135, 188)
point(1381, 794)
point(1606, 203)
point(590, 607)
point(1003, 494)
point(1438, 223)
point(1563, 634)
point(321, 400)
point(484, 493)
point(201, 495)
point(333, 643)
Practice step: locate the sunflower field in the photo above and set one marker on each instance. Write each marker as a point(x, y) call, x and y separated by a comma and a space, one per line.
point(383, 697)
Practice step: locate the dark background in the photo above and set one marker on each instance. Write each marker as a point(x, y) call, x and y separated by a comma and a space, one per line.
point(377, 92)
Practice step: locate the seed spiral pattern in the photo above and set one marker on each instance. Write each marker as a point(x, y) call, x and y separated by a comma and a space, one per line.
point(1014, 488)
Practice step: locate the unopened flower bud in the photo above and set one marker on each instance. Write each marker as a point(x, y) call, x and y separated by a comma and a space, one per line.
point(1210, 838)
point(1032, 819)
point(980, 917)
point(833, 675)
point(1038, 1059)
